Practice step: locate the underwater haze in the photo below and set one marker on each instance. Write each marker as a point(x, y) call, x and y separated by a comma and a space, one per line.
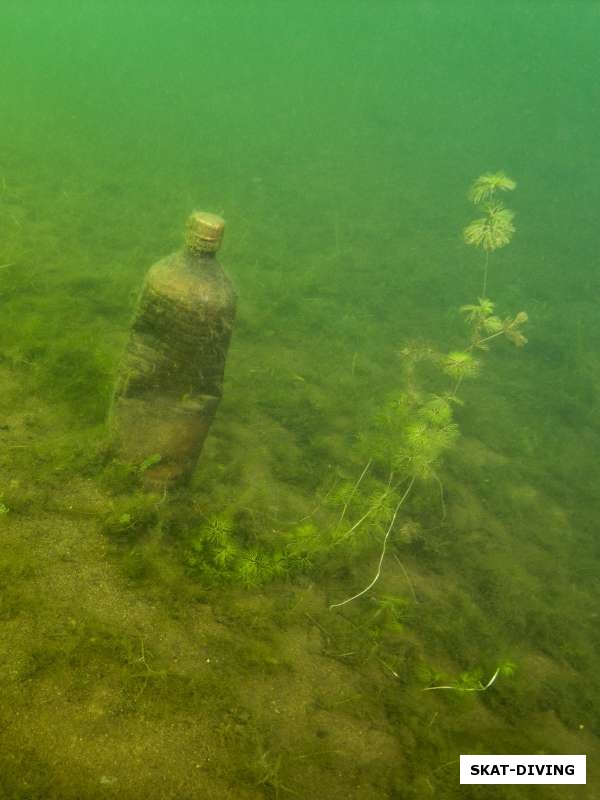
point(388, 555)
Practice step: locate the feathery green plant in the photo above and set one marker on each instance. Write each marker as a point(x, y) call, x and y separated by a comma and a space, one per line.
point(487, 184)
point(217, 530)
point(495, 229)
point(416, 428)
point(458, 365)
point(485, 326)
point(406, 446)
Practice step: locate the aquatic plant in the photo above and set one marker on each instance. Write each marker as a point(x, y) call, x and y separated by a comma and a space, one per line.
point(471, 681)
point(495, 229)
point(223, 549)
point(131, 515)
point(485, 326)
point(217, 530)
point(303, 543)
point(255, 567)
point(225, 555)
point(410, 450)
point(487, 184)
point(416, 427)
point(460, 364)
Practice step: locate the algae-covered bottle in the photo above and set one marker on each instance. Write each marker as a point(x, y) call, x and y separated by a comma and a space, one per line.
point(171, 376)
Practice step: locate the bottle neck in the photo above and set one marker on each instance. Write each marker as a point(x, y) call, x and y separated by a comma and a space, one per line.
point(199, 257)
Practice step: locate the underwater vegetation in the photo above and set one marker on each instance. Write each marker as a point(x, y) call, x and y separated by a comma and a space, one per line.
point(417, 428)
point(403, 448)
point(415, 648)
point(471, 681)
point(394, 506)
point(495, 229)
point(386, 436)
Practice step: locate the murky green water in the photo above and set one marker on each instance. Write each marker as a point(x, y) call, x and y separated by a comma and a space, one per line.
point(183, 646)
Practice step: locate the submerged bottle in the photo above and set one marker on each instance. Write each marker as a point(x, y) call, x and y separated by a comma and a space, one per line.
point(171, 375)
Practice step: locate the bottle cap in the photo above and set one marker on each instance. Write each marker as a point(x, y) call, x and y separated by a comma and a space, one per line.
point(204, 232)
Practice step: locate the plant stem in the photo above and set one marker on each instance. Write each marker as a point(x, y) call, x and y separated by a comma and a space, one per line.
point(352, 493)
point(485, 272)
point(487, 338)
point(355, 526)
point(479, 688)
point(441, 485)
point(381, 557)
point(408, 580)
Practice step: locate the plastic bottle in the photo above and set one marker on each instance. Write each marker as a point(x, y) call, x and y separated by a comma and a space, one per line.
point(171, 375)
